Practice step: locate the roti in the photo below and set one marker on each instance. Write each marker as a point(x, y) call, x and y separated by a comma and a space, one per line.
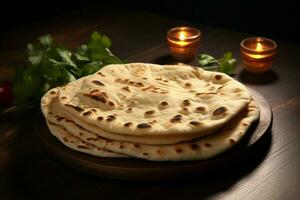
point(153, 112)
point(153, 100)
point(197, 149)
point(77, 144)
point(51, 108)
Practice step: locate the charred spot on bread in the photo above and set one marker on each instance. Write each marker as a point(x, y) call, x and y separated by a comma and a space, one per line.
point(100, 118)
point(176, 118)
point(87, 113)
point(245, 124)
point(188, 84)
point(111, 103)
point(144, 125)
point(98, 96)
point(110, 118)
point(101, 74)
point(77, 108)
point(178, 150)
point(82, 147)
point(60, 118)
point(219, 111)
point(200, 108)
point(93, 91)
point(164, 103)
point(184, 109)
point(218, 77)
point(186, 102)
point(207, 144)
point(126, 88)
point(139, 84)
point(98, 82)
point(232, 141)
point(150, 112)
point(195, 123)
point(128, 124)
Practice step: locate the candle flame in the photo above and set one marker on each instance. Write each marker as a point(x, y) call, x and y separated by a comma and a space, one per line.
point(182, 35)
point(259, 47)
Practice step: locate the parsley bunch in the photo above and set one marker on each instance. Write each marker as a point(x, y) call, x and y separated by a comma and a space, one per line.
point(227, 64)
point(51, 65)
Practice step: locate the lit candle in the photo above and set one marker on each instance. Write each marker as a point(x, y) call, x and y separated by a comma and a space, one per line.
point(182, 36)
point(183, 42)
point(258, 53)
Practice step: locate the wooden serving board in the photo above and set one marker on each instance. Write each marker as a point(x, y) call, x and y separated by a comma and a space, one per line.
point(138, 169)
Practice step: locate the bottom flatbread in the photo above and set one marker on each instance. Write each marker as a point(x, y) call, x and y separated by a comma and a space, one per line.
point(197, 149)
point(77, 144)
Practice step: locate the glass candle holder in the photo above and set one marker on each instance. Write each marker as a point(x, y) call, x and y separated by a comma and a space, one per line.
point(183, 42)
point(258, 53)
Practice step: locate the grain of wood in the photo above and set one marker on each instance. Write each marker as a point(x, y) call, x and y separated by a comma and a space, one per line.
point(272, 172)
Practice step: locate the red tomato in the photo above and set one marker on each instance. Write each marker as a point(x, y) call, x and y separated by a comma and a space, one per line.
point(6, 94)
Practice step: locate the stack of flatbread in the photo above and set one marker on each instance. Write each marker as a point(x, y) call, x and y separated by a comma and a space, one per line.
point(148, 111)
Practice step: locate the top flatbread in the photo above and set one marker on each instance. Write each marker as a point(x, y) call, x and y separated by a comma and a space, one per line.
point(146, 99)
point(51, 108)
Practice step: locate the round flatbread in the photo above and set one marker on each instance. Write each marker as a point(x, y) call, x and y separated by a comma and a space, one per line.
point(153, 100)
point(51, 108)
point(79, 138)
point(198, 149)
point(77, 144)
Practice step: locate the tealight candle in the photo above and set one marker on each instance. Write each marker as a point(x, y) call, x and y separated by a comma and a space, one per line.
point(258, 53)
point(183, 42)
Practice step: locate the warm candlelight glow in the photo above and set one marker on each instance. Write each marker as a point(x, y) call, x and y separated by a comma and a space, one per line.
point(258, 53)
point(183, 42)
point(259, 47)
point(182, 35)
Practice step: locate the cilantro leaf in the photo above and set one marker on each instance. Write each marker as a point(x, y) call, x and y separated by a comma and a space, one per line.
point(226, 64)
point(35, 54)
point(97, 46)
point(66, 57)
point(51, 65)
point(206, 60)
point(46, 40)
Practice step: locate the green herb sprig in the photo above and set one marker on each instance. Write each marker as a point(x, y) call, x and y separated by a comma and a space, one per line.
point(51, 65)
point(227, 64)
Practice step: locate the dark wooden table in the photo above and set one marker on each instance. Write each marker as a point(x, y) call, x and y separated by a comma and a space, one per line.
point(270, 171)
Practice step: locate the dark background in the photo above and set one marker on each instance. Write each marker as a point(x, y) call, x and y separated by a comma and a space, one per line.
point(277, 20)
